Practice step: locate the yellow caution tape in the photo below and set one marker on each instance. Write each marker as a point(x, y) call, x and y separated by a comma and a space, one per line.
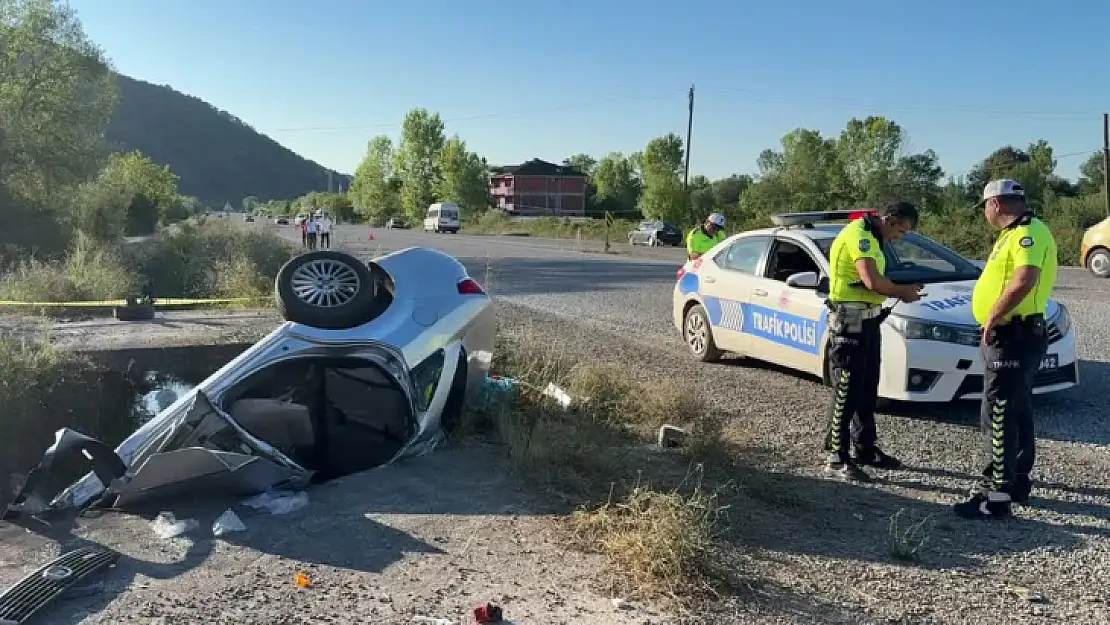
point(161, 301)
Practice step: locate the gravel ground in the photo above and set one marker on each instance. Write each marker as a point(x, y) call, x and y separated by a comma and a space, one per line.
point(821, 549)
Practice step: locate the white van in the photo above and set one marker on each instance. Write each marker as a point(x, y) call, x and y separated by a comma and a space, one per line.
point(442, 217)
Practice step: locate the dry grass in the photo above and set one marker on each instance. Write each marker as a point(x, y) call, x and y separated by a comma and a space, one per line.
point(191, 261)
point(658, 541)
point(655, 542)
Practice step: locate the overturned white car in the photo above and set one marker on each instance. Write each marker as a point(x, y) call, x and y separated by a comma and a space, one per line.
point(375, 362)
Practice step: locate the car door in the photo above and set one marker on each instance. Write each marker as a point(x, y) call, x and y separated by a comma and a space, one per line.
point(787, 323)
point(726, 289)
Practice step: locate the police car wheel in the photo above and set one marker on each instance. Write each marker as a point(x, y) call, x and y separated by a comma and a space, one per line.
point(698, 335)
point(1098, 263)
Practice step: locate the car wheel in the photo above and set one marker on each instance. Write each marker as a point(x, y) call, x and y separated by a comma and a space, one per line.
point(1098, 262)
point(698, 335)
point(327, 290)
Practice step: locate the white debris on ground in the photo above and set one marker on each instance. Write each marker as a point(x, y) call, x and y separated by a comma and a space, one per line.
point(278, 501)
point(167, 526)
point(227, 522)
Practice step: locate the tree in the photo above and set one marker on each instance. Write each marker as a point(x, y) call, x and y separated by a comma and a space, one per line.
point(250, 204)
point(869, 152)
point(1092, 174)
point(57, 95)
point(583, 163)
point(374, 191)
point(422, 139)
point(618, 189)
point(57, 98)
point(338, 205)
point(148, 191)
point(702, 200)
point(464, 177)
point(663, 196)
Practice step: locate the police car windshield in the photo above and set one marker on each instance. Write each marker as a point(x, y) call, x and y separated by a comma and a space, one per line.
point(918, 259)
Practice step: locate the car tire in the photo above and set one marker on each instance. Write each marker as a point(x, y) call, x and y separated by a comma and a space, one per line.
point(352, 308)
point(696, 324)
point(1098, 262)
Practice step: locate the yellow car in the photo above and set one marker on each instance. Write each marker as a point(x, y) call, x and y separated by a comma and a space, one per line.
point(1094, 251)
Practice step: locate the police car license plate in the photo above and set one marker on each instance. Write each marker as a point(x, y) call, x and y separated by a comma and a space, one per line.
point(1050, 362)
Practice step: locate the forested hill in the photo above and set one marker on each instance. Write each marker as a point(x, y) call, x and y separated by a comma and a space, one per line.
point(218, 157)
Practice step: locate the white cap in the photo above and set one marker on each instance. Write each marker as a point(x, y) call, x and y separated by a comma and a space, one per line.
point(1002, 188)
point(716, 219)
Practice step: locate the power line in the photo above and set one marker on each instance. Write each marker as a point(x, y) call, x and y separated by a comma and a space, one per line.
point(517, 113)
point(850, 103)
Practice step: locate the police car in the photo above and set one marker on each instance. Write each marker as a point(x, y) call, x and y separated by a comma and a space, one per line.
point(761, 294)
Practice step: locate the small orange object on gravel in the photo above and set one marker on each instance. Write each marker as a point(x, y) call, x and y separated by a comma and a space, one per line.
point(303, 581)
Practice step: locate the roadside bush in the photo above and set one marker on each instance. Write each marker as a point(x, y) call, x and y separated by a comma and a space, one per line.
point(494, 222)
point(44, 389)
point(205, 260)
point(90, 272)
point(211, 259)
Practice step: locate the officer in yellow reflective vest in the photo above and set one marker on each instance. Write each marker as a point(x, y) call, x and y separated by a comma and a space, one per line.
point(857, 290)
point(702, 239)
point(1009, 302)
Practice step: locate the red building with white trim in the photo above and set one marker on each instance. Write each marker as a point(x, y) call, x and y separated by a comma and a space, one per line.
point(539, 188)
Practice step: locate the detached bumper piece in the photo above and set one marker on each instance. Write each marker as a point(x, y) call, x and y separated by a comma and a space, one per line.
point(37, 590)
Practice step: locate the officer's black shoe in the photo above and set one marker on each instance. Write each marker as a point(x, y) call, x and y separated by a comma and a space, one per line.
point(844, 468)
point(1020, 494)
point(875, 457)
point(993, 505)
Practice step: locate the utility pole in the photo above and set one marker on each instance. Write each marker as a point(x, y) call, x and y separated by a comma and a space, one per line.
point(689, 132)
point(1106, 160)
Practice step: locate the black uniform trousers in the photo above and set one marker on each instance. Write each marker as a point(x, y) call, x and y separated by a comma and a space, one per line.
point(1012, 355)
point(854, 365)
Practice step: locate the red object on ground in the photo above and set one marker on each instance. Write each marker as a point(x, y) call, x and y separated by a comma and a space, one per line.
point(371, 235)
point(488, 613)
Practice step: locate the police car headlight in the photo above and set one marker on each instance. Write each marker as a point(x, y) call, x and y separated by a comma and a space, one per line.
point(1062, 321)
point(928, 331)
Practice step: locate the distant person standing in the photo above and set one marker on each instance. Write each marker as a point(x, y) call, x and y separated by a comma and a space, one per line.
point(324, 225)
point(303, 226)
point(312, 228)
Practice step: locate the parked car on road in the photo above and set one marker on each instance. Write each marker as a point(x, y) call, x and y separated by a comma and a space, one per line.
point(1094, 251)
point(374, 362)
point(761, 294)
point(397, 222)
point(248, 217)
point(655, 233)
point(282, 221)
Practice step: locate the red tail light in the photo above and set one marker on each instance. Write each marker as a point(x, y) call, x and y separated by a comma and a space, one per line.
point(470, 286)
point(856, 215)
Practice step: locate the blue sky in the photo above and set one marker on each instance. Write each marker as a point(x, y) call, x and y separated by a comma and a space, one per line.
point(520, 80)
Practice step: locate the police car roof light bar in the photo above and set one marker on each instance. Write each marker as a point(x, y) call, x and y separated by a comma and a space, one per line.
point(808, 219)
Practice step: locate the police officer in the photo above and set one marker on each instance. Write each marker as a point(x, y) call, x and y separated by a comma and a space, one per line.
point(857, 290)
point(702, 239)
point(1009, 303)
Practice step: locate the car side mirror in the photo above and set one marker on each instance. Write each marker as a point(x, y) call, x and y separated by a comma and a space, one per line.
point(803, 280)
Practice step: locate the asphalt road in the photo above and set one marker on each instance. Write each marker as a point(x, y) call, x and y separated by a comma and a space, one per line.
point(631, 286)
